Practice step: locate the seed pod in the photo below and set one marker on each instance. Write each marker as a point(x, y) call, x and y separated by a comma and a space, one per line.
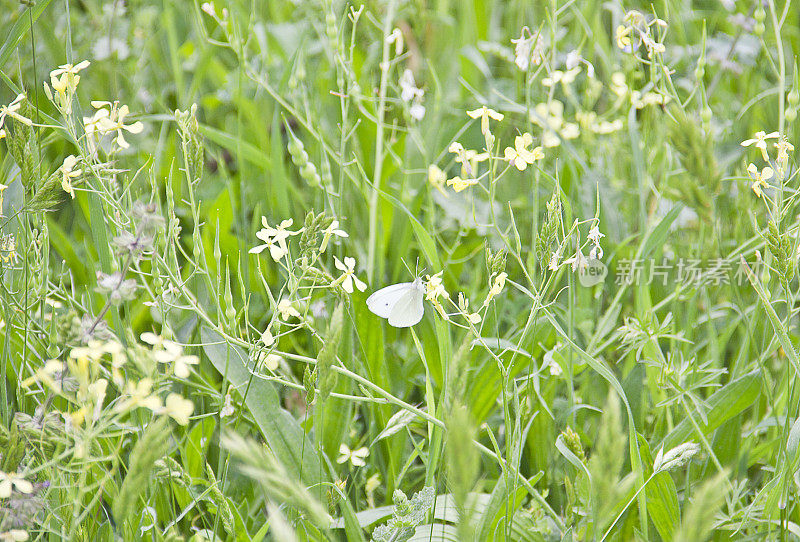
point(309, 377)
point(327, 356)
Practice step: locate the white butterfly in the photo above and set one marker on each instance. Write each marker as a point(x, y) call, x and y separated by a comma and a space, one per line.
point(400, 303)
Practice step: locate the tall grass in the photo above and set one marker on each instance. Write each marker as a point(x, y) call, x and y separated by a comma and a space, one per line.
point(198, 198)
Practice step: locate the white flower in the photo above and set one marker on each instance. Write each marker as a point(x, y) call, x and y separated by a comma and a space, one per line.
point(527, 49)
point(274, 238)
point(171, 352)
point(348, 277)
point(227, 409)
point(14, 535)
point(330, 231)
point(550, 362)
point(287, 310)
point(68, 173)
point(553, 264)
point(417, 110)
point(267, 337)
point(13, 480)
point(410, 93)
point(408, 87)
point(578, 261)
point(356, 457)
point(272, 361)
point(594, 235)
point(107, 46)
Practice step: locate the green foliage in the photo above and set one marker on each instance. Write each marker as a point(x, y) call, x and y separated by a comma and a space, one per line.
point(197, 199)
point(407, 514)
point(149, 449)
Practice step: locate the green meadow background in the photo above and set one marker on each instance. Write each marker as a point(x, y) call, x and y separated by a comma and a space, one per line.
point(158, 381)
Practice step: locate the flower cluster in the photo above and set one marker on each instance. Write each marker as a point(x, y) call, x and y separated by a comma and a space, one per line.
point(109, 119)
point(274, 238)
point(761, 176)
point(636, 29)
point(64, 81)
point(86, 378)
point(411, 94)
point(434, 291)
point(550, 117)
point(527, 49)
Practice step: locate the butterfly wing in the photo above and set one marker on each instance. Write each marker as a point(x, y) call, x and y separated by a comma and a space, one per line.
point(384, 300)
point(409, 309)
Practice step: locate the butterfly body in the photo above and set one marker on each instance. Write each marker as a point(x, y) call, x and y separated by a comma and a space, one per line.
point(401, 303)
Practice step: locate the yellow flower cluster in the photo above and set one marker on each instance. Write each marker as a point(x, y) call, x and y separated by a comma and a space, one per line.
point(760, 177)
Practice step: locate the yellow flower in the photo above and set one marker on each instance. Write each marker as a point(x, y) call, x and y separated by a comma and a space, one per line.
point(115, 121)
point(69, 69)
point(558, 76)
point(485, 113)
point(760, 178)
point(783, 146)
point(274, 238)
point(460, 184)
point(519, 155)
point(178, 408)
point(10, 110)
point(267, 338)
point(618, 85)
point(437, 178)
point(68, 173)
point(272, 361)
point(463, 305)
point(434, 289)
point(469, 160)
point(623, 37)
point(550, 116)
point(64, 81)
point(3, 188)
point(172, 353)
point(497, 287)
point(139, 395)
point(760, 142)
point(653, 46)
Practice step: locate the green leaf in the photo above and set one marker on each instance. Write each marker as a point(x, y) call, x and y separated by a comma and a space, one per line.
point(282, 432)
point(726, 403)
point(250, 152)
point(20, 28)
point(662, 497)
